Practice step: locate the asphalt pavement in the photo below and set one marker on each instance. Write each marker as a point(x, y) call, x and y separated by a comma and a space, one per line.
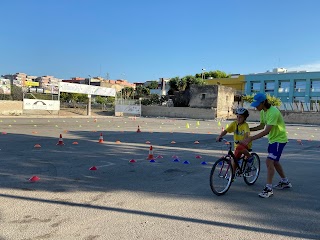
point(130, 197)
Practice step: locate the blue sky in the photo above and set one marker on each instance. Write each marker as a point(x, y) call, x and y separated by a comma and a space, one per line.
point(142, 40)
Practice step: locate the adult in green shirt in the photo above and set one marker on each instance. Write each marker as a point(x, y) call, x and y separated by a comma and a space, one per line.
point(272, 124)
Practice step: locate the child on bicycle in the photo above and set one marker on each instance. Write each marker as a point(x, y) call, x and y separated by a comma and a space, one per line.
point(241, 130)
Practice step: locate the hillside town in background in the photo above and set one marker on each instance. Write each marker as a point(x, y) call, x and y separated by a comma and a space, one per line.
point(296, 89)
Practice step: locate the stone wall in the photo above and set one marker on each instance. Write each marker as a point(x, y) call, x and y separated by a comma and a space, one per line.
point(212, 97)
point(203, 96)
point(225, 101)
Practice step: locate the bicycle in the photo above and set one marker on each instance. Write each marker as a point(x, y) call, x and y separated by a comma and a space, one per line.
point(222, 173)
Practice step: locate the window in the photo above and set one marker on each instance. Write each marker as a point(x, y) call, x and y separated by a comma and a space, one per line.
point(284, 86)
point(255, 87)
point(315, 85)
point(298, 99)
point(300, 86)
point(315, 104)
point(269, 86)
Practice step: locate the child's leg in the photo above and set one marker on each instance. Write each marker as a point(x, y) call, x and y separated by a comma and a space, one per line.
point(246, 153)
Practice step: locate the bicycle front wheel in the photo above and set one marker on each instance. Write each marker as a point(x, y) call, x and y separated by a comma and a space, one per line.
point(221, 176)
point(252, 170)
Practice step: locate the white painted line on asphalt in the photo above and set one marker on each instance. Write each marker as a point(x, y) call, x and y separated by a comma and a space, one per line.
point(106, 165)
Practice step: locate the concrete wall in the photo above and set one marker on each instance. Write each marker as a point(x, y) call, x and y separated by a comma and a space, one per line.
point(11, 107)
point(16, 108)
point(178, 112)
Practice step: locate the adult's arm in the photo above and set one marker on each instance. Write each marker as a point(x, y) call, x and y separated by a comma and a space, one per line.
point(257, 136)
point(261, 134)
point(257, 128)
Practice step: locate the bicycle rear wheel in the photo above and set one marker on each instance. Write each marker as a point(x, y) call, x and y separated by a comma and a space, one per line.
point(221, 176)
point(252, 170)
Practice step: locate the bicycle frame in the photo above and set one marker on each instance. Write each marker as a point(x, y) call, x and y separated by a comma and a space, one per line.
point(223, 173)
point(231, 154)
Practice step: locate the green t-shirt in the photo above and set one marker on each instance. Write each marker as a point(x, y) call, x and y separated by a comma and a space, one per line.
point(274, 118)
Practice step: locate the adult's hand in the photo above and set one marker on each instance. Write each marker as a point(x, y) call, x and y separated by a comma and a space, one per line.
point(246, 141)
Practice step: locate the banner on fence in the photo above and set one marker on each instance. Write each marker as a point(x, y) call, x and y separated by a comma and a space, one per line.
point(130, 109)
point(38, 104)
point(86, 89)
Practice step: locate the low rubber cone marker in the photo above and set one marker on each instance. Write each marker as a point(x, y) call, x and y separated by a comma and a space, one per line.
point(198, 156)
point(176, 160)
point(93, 168)
point(132, 161)
point(159, 156)
point(186, 162)
point(37, 146)
point(196, 142)
point(204, 163)
point(75, 143)
point(152, 160)
point(34, 179)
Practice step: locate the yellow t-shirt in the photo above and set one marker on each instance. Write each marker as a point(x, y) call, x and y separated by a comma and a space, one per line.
point(239, 132)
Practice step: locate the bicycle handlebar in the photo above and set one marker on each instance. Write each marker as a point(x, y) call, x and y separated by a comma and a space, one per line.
point(227, 141)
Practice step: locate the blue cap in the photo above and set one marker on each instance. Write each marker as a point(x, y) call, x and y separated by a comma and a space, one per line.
point(257, 99)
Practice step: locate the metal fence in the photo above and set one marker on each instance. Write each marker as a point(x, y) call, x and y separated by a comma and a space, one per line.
point(294, 106)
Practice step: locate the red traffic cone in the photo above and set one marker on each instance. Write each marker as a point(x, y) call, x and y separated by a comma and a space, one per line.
point(138, 129)
point(60, 140)
point(150, 156)
point(101, 138)
point(34, 179)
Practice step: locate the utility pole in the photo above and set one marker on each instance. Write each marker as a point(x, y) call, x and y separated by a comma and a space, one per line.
point(89, 100)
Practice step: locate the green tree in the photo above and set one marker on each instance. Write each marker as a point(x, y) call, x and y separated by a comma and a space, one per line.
point(65, 97)
point(16, 93)
point(142, 91)
point(101, 100)
point(127, 92)
point(189, 79)
point(153, 85)
point(274, 101)
point(214, 74)
point(177, 84)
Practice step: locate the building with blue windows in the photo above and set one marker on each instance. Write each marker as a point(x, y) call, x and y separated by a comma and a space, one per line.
point(297, 89)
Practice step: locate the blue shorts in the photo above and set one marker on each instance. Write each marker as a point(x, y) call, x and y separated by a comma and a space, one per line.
point(275, 150)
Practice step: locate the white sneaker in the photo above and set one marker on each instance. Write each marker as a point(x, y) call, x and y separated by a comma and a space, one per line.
point(283, 185)
point(266, 192)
